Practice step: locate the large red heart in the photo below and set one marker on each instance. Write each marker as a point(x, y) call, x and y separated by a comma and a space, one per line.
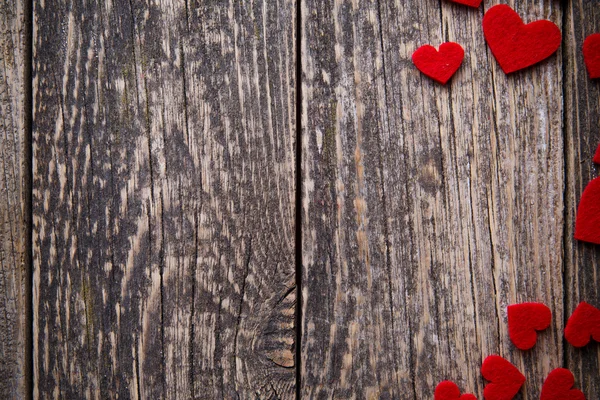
point(523, 322)
point(558, 384)
point(471, 3)
point(583, 324)
point(587, 224)
point(439, 65)
point(505, 379)
point(591, 55)
point(597, 156)
point(516, 45)
point(448, 390)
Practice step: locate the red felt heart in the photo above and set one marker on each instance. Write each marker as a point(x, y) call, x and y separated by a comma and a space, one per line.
point(597, 156)
point(583, 324)
point(591, 55)
point(558, 384)
point(587, 224)
point(505, 379)
point(448, 390)
point(439, 65)
point(471, 3)
point(516, 45)
point(523, 322)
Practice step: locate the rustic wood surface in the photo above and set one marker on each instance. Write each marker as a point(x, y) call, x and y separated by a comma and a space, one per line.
point(426, 209)
point(582, 137)
point(163, 199)
point(14, 203)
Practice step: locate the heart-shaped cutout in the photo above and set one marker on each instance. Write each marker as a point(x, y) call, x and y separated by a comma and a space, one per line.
point(470, 3)
point(439, 65)
point(516, 45)
point(587, 224)
point(558, 386)
point(583, 324)
point(597, 156)
point(591, 55)
point(447, 390)
point(524, 320)
point(505, 379)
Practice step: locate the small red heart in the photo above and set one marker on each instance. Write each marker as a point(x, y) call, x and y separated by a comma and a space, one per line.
point(583, 324)
point(471, 3)
point(439, 65)
point(597, 156)
point(505, 379)
point(523, 322)
point(558, 384)
point(516, 45)
point(591, 55)
point(448, 390)
point(587, 224)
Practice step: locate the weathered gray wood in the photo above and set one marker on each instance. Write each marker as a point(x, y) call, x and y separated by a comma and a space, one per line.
point(163, 200)
point(426, 209)
point(14, 203)
point(582, 113)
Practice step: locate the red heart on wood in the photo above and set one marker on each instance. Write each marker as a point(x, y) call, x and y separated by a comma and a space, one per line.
point(558, 384)
point(471, 3)
point(583, 324)
point(447, 390)
point(524, 320)
point(439, 65)
point(505, 379)
point(591, 55)
point(516, 45)
point(587, 224)
point(597, 156)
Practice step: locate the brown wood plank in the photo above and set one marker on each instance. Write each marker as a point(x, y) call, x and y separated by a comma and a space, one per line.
point(582, 112)
point(164, 167)
point(14, 202)
point(426, 209)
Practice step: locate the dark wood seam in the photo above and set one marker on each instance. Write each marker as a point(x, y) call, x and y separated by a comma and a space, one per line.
point(28, 188)
point(298, 203)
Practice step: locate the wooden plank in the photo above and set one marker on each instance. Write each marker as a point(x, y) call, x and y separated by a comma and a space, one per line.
point(14, 202)
point(426, 209)
point(163, 199)
point(582, 112)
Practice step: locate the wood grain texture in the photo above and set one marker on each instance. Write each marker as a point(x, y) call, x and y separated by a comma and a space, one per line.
point(426, 209)
point(14, 195)
point(163, 199)
point(582, 112)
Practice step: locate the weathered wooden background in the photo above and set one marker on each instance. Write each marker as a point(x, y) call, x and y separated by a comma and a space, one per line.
point(176, 175)
point(15, 205)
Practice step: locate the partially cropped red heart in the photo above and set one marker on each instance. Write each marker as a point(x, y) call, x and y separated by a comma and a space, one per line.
point(558, 384)
point(516, 45)
point(505, 379)
point(583, 324)
point(591, 55)
point(524, 320)
point(587, 224)
point(439, 65)
point(448, 390)
point(470, 3)
point(597, 156)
